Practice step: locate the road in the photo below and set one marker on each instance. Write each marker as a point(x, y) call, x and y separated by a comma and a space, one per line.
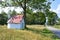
point(54, 30)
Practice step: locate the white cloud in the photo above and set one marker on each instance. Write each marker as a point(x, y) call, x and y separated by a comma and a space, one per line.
point(12, 8)
point(18, 9)
point(3, 0)
point(7, 9)
point(56, 10)
point(0, 9)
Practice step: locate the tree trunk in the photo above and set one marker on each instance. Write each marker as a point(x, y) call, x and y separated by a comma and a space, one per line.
point(25, 12)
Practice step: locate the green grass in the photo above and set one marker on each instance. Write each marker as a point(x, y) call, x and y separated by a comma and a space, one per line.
point(57, 26)
point(33, 32)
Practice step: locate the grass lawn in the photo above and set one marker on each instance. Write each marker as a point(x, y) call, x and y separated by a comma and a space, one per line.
point(57, 26)
point(33, 32)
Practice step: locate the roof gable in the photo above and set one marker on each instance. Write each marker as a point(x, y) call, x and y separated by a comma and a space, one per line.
point(15, 19)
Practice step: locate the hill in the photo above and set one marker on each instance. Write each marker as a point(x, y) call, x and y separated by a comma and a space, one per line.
point(33, 32)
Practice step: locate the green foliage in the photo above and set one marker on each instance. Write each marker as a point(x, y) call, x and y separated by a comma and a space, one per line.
point(58, 21)
point(52, 18)
point(32, 18)
point(13, 13)
point(39, 18)
point(35, 18)
point(3, 18)
point(41, 4)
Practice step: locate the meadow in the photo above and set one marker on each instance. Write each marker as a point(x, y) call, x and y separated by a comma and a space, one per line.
point(57, 26)
point(32, 32)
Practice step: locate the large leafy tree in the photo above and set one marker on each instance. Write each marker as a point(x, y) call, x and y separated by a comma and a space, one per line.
point(52, 18)
point(35, 18)
point(39, 5)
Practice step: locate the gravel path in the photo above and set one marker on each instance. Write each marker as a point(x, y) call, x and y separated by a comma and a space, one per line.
point(54, 30)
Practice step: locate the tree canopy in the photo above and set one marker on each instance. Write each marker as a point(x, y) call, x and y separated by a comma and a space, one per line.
point(42, 7)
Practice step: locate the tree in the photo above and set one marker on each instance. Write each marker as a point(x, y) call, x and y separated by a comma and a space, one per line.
point(33, 4)
point(39, 18)
point(52, 18)
point(58, 21)
point(13, 13)
point(35, 18)
point(3, 18)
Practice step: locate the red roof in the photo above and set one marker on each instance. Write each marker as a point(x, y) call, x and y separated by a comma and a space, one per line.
point(15, 19)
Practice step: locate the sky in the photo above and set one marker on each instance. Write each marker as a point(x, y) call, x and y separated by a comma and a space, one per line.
point(7, 9)
point(55, 6)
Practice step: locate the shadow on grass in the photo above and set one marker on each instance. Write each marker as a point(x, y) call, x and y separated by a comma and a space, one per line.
point(43, 32)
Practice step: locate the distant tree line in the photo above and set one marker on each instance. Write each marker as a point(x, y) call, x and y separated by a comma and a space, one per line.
point(3, 18)
point(32, 18)
point(58, 21)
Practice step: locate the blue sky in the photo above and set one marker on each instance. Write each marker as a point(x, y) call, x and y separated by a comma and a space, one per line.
point(55, 6)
